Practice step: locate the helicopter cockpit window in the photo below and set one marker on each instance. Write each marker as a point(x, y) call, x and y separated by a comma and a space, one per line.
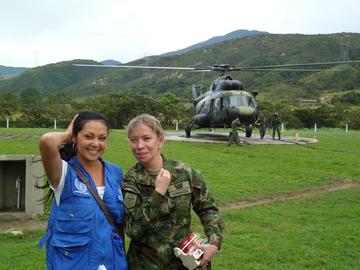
point(202, 107)
point(218, 104)
point(236, 101)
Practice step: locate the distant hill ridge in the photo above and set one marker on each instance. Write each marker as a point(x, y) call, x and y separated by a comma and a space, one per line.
point(110, 62)
point(4, 70)
point(232, 35)
point(253, 50)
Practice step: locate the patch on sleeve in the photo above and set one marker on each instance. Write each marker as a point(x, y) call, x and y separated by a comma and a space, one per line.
point(130, 200)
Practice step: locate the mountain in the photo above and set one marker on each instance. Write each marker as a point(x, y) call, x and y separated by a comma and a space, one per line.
point(4, 70)
point(110, 62)
point(51, 78)
point(254, 50)
point(232, 35)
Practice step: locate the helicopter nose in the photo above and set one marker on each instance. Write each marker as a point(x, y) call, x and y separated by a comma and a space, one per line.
point(241, 111)
point(245, 110)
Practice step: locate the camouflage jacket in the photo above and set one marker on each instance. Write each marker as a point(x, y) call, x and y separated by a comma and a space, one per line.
point(276, 122)
point(235, 124)
point(156, 223)
point(261, 121)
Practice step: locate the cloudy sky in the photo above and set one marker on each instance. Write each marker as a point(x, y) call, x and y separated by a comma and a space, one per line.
point(39, 32)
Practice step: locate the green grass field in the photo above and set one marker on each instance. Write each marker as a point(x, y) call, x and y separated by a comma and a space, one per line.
point(315, 232)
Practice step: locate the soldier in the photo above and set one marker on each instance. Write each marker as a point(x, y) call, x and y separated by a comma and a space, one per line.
point(261, 123)
point(159, 194)
point(234, 136)
point(275, 124)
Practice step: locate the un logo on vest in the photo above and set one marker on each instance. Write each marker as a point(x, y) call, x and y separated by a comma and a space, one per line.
point(80, 187)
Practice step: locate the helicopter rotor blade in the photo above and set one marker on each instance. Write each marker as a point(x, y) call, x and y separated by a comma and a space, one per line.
point(202, 70)
point(281, 69)
point(301, 65)
point(126, 66)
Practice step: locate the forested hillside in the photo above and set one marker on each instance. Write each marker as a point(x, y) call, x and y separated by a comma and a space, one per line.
point(268, 49)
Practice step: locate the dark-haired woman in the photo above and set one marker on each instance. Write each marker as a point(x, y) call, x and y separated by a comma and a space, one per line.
point(79, 235)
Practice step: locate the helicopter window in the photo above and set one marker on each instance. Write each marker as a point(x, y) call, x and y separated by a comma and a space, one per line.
point(202, 107)
point(236, 101)
point(218, 104)
point(251, 102)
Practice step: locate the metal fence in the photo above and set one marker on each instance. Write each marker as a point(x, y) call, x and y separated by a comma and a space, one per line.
point(26, 124)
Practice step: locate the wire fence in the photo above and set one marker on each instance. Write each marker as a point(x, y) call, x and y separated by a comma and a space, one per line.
point(176, 125)
point(27, 124)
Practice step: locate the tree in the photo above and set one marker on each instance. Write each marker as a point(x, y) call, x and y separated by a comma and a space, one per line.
point(58, 106)
point(9, 104)
point(351, 98)
point(353, 118)
point(120, 108)
point(33, 108)
point(173, 108)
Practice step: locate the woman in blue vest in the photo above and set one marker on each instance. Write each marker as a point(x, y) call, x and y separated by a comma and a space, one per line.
point(79, 235)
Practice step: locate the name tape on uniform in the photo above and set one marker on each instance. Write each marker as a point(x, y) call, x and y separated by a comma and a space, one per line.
point(179, 189)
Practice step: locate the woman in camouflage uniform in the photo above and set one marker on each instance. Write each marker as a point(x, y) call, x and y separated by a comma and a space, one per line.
point(159, 194)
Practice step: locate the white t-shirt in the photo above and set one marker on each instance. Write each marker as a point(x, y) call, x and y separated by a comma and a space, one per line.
point(59, 189)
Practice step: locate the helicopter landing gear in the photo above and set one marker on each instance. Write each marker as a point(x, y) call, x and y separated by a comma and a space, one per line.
point(188, 131)
point(248, 131)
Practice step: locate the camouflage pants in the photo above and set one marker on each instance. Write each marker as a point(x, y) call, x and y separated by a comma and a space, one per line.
point(277, 130)
point(233, 137)
point(262, 131)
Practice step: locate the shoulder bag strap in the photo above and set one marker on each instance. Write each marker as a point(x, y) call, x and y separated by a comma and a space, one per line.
point(104, 208)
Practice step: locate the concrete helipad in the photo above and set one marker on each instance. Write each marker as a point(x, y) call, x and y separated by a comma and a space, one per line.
point(210, 137)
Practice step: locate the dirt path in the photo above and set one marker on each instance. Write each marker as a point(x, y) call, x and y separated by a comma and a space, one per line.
point(345, 184)
point(10, 223)
point(18, 222)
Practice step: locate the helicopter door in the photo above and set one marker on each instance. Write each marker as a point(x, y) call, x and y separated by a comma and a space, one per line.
point(217, 110)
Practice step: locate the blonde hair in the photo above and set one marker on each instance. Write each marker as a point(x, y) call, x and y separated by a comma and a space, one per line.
point(148, 120)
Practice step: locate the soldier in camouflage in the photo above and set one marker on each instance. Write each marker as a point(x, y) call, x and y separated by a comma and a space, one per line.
point(159, 194)
point(276, 124)
point(261, 123)
point(234, 136)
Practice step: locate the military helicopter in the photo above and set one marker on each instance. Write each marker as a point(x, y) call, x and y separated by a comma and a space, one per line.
point(226, 98)
point(225, 101)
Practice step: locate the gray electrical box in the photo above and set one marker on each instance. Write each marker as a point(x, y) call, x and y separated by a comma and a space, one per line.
point(18, 175)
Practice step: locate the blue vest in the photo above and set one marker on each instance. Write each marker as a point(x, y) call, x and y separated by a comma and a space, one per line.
point(79, 235)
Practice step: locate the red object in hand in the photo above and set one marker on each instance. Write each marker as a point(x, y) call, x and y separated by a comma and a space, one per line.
point(189, 245)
